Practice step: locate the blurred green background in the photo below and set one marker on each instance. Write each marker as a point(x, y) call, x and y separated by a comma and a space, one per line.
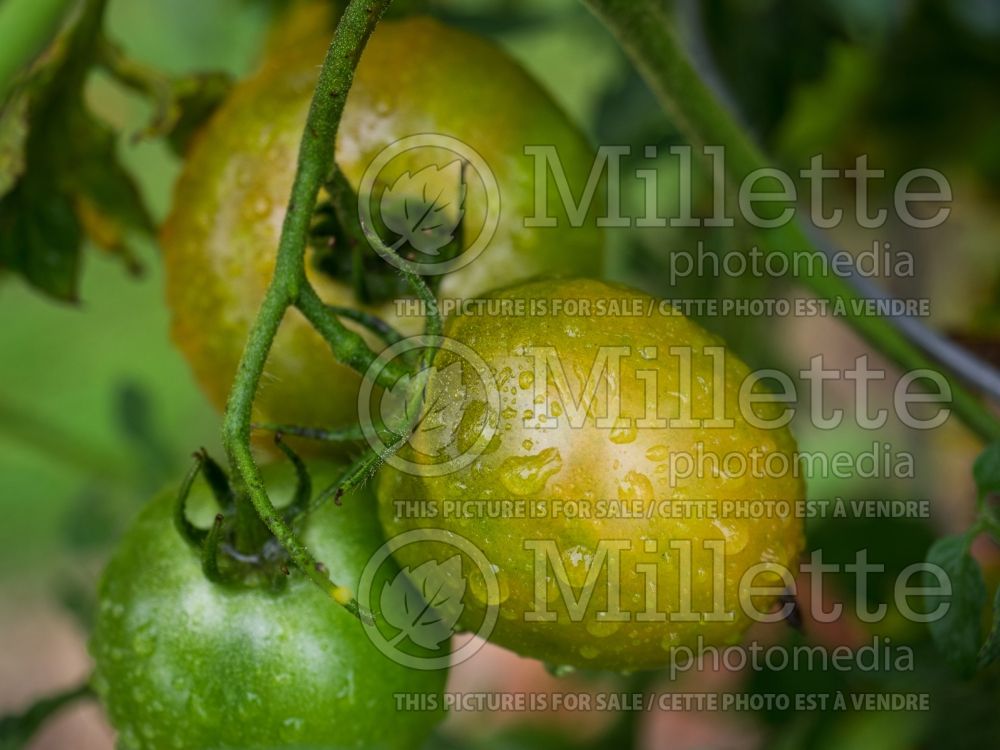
point(97, 410)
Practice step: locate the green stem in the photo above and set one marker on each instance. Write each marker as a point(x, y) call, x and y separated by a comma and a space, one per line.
point(144, 80)
point(642, 27)
point(303, 481)
point(349, 347)
point(373, 323)
point(355, 475)
point(16, 731)
point(315, 166)
point(26, 26)
point(188, 531)
point(350, 434)
point(51, 440)
point(210, 551)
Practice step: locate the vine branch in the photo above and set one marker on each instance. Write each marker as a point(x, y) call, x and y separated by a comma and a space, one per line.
point(17, 729)
point(642, 27)
point(289, 286)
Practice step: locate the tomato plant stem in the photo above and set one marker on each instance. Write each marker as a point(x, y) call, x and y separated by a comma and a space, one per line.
point(15, 731)
point(642, 27)
point(373, 323)
point(349, 347)
point(289, 285)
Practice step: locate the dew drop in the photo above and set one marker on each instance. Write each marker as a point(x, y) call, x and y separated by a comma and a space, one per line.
point(670, 640)
point(636, 486)
point(559, 670)
point(735, 536)
point(576, 564)
point(527, 475)
point(261, 207)
point(658, 453)
point(478, 587)
point(601, 627)
point(623, 432)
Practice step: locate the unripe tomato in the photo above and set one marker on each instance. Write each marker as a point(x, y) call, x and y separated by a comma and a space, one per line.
point(185, 663)
point(416, 76)
point(607, 482)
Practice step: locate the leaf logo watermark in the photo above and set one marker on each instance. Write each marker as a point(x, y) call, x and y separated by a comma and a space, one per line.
point(439, 417)
point(422, 605)
point(438, 426)
point(419, 608)
point(417, 219)
point(418, 208)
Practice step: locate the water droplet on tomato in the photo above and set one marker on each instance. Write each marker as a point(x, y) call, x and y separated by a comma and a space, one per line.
point(624, 432)
point(527, 475)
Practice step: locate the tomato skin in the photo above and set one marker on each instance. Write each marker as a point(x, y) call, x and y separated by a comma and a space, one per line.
point(603, 468)
point(416, 76)
point(184, 663)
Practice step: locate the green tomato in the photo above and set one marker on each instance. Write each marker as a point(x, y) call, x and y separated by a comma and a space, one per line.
point(184, 663)
point(585, 476)
point(416, 76)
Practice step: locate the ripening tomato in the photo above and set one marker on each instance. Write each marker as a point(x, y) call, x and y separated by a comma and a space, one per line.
point(417, 76)
point(624, 498)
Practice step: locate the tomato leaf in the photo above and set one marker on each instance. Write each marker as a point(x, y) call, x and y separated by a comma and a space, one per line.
point(40, 238)
point(958, 633)
point(425, 604)
point(195, 99)
point(107, 200)
point(17, 730)
point(60, 178)
point(13, 135)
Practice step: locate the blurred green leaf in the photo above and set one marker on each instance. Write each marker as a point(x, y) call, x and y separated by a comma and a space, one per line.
point(887, 730)
point(765, 50)
point(868, 20)
point(990, 651)
point(17, 730)
point(958, 633)
point(60, 178)
point(107, 200)
point(13, 134)
point(91, 522)
point(986, 469)
point(79, 599)
point(826, 112)
point(196, 98)
point(40, 238)
point(137, 420)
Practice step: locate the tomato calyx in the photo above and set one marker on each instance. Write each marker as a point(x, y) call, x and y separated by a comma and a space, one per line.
point(238, 549)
